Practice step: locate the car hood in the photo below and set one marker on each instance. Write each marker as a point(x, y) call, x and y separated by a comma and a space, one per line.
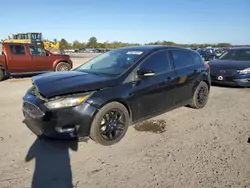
point(60, 83)
point(61, 55)
point(230, 64)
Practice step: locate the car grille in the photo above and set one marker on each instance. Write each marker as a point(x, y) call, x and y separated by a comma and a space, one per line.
point(216, 71)
point(32, 110)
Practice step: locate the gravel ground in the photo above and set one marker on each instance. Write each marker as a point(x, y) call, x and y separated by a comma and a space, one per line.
point(192, 148)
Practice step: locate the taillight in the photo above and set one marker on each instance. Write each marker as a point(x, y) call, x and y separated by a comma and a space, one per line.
point(206, 66)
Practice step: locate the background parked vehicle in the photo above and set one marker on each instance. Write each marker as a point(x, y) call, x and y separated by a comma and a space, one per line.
point(101, 98)
point(26, 58)
point(207, 53)
point(35, 38)
point(232, 67)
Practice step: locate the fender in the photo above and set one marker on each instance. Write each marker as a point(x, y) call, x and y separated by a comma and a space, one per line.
point(203, 77)
point(99, 103)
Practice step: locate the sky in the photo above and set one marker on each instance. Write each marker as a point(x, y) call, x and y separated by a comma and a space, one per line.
point(137, 21)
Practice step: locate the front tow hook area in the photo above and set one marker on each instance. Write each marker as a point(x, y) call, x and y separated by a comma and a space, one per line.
point(67, 129)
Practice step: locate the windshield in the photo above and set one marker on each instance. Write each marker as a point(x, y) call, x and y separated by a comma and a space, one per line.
point(236, 54)
point(111, 63)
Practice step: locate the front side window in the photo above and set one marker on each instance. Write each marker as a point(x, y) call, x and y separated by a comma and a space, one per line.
point(36, 50)
point(182, 59)
point(236, 54)
point(17, 49)
point(111, 63)
point(158, 62)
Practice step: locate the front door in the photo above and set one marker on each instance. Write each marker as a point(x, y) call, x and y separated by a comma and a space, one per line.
point(40, 59)
point(155, 93)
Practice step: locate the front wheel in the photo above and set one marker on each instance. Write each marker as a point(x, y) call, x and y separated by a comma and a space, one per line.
point(110, 124)
point(1, 75)
point(200, 96)
point(62, 67)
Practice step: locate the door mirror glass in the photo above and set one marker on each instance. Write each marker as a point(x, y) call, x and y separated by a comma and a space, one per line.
point(145, 73)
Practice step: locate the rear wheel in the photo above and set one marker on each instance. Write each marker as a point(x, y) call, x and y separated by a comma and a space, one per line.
point(1, 75)
point(110, 124)
point(200, 96)
point(62, 67)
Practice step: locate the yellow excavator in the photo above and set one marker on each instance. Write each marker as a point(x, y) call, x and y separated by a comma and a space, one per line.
point(36, 38)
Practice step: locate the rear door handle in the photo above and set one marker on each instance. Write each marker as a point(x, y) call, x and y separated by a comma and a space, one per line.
point(169, 79)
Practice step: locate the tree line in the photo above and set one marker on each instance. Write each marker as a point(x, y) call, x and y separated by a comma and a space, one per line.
point(94, 43)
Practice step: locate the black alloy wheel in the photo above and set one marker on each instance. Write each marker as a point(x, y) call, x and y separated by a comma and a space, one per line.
point(110, 124)
point(200, 96)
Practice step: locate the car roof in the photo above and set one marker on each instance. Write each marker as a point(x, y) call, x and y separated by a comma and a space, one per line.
point(150, 47)
point(240, 48)
point(18, 43)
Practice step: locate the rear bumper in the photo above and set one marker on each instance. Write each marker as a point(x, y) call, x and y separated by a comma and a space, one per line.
point(61, 124)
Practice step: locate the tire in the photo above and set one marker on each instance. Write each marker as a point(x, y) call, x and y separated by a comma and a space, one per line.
point(1, 75)
point(62, 66)
point(197, 102)
point(98, 132)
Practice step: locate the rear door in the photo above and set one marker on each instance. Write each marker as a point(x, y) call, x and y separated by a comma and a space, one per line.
point(18, 59)
point(155, 93)
point(40, 60)
point(187, 66)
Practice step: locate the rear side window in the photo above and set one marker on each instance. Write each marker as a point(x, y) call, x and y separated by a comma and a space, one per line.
point(181, 59)
point(158, 62)
point(17, 49)
point(196, 58)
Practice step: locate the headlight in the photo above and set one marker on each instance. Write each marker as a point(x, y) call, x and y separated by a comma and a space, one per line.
point(245, 71)
point(67, 101)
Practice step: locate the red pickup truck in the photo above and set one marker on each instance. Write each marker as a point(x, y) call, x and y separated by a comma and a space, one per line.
point(26, 58)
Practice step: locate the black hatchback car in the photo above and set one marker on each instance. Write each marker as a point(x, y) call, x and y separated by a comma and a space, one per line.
point(102, 97)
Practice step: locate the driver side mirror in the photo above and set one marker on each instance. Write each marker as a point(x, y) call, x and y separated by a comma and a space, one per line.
point(145, 73)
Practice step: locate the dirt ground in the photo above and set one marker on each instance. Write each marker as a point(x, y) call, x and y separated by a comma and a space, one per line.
point(191, 148)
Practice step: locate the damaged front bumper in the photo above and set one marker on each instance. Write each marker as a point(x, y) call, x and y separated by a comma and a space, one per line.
point(61, 124)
